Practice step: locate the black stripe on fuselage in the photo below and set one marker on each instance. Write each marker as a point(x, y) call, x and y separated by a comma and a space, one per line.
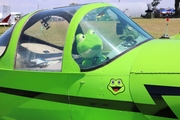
point(161, 107)
point(76, 100)
point(156, 93)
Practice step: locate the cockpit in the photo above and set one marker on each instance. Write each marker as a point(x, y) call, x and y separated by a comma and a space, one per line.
point(117, 32)
point(100, 35)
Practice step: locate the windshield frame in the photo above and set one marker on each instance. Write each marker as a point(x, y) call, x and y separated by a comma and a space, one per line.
point(5, 39)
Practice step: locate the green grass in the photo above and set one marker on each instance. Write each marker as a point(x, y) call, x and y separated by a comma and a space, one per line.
point(157, 27)
point(3, 29)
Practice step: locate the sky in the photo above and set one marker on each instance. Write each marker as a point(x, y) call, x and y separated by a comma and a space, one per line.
point(26, 6)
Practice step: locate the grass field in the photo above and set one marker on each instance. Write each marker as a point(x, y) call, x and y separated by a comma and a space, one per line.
point(156, 27)
point(3, 28)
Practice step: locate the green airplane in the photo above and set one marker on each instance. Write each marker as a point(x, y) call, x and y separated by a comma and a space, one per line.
point(87, 62)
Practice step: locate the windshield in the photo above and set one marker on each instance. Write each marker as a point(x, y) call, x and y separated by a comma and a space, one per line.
point(105, 34)
point(4, 40)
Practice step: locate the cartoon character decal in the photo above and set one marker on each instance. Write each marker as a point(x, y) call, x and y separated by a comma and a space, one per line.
point(116, 86)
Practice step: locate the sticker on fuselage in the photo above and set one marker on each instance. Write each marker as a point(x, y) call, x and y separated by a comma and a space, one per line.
point(116, 86)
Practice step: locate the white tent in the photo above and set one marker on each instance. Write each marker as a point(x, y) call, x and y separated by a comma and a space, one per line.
point(132, 9)
point(15, 16)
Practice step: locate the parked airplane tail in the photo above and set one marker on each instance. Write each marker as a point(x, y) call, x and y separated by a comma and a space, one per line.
point(6, 14)
point(5, 20)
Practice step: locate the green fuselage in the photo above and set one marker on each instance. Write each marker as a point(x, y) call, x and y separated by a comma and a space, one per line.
point(138, 80)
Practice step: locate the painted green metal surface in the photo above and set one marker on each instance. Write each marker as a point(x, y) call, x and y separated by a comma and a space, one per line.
point(158, 56)
point(147, 82)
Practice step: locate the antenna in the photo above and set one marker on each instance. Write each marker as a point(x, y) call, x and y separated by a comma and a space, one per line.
point(165, 36)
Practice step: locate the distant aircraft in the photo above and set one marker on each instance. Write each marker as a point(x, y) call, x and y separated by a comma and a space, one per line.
point(5, 21)
point(5, 14)
point(87, 62)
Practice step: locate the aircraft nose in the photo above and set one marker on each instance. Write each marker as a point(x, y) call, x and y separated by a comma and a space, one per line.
point(158, 56)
